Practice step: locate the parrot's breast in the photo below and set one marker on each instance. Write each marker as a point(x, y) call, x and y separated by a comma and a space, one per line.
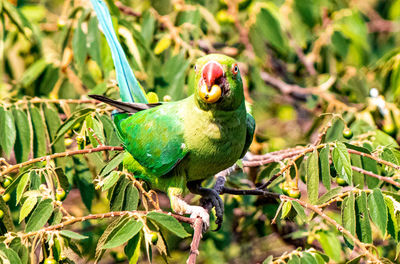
point(214, 140)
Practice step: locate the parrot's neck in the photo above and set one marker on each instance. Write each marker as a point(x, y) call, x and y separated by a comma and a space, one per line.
point(215, 107)
point(214, 114)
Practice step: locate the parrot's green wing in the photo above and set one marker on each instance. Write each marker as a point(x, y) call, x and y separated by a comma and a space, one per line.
point(155, 138)
point(251, 126)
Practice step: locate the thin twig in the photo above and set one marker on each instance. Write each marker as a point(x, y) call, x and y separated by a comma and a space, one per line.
point(197, 235)
point(37, 100)
point(290, 164)
point(381, 161)
point(74, 220)
point(59, 155)
point(381, 178)
point(91, 130)
point(127, 10)
point(313, 208)
point(302, 57)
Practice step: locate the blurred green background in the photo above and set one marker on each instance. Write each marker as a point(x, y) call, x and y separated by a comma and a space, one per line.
point(298, 58)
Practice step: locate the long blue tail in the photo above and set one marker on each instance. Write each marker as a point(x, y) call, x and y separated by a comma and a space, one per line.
point(129, 88)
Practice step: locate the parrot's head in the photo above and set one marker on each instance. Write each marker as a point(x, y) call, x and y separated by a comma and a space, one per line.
point(218, 82)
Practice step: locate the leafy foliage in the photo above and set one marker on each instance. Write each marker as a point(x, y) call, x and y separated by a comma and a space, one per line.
point(325, 72)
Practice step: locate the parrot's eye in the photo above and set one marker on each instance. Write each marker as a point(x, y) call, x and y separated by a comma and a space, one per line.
point(195, 68)
point(235, 69)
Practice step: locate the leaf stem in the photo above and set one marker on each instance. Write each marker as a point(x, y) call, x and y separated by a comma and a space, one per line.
point(59, 155)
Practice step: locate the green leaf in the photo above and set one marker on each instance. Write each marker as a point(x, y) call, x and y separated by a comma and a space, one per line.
point(50, 78)
point(392, 227)
point(132, 249)
point(112, 164)
point(56, 217)
point(313, 177)
point(35, 180)
point(123, 233)
point(16, 16)
point(389, 155)
point(62, 178)
point(33, 72)
point(111, 135)
point(111, 229)
point(372, 166)
point(7, 219)
point(270, 29)
point(268, 260)
point(118, 196)
point(363, 226)
point(355, 260)
point(131, 198)
point(383, 139)
point(22, 186)
point(287, 206)
point(110, 180)
point(84, 180)
point(331, 245)
point(169, 222)
point(341, 161)
point(22, 146)
point(75, 118)
point(72, 234)
point(335, 131)
point(96, 130)
point(300, 210)
point(39, 138)
point(294, 259)
point(329, 195)
point(27, 207)
point(7, 131)
point(325, 167)
point(349, 218)
point(378, 210)
point(93, 40)
point(16, 181)
point(10, 255)
point(79, 43)
point(53, 123)
point(308, 258)
point(39, 216)
point(358, 177)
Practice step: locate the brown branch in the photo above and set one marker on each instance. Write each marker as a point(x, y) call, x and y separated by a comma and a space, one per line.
point(313, 208)
point(59, 155)
point(197, 235)
point(379, 24)
point(382, 178)
point(36, 100)
point(290, 163)
point(384, 162)
point(127, 10)
point(302, 57)
point(74, 220)
point(275, 156)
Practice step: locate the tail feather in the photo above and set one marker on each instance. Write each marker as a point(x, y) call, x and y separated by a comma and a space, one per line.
point(130, 89)
point(123, 106)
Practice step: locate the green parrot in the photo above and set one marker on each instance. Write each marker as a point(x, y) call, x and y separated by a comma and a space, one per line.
point(175, 146)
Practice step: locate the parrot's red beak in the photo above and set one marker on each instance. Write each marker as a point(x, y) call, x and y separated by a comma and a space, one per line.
point(211, 72)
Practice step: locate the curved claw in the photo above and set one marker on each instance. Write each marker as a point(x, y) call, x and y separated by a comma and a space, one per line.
point(216, 202)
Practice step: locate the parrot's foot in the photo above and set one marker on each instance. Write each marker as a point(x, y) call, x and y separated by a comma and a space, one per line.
point(181, 207)
point(209, 196)
point(198, 211)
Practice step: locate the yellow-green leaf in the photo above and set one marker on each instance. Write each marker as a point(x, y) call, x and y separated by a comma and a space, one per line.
point(27, 207)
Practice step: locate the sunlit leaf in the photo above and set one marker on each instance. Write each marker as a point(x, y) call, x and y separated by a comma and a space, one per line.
point(123, 233)
point(313, 177)
point(378, 210)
